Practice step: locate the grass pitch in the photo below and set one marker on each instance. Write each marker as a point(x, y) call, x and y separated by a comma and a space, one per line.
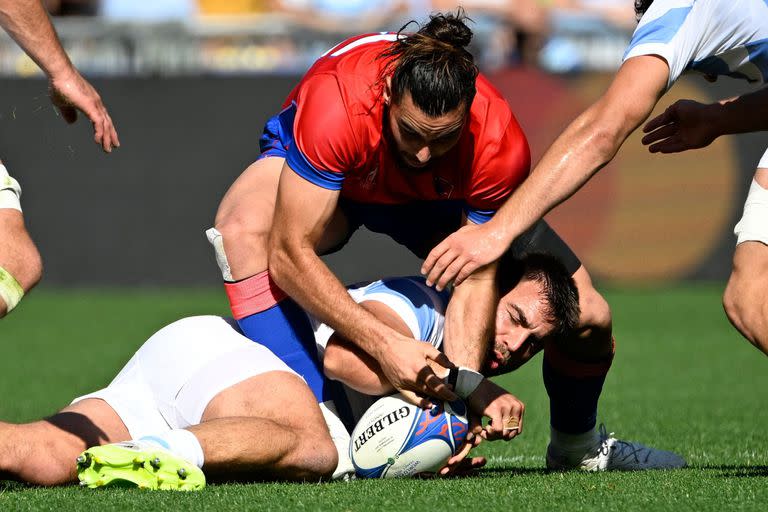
point(683, 380)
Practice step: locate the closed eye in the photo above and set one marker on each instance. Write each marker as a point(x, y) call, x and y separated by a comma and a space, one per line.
point(521, 319)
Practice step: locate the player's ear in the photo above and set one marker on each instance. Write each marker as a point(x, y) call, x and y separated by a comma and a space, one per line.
point(387, 90)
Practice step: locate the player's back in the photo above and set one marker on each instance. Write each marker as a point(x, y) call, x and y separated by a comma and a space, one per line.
point(356, 65)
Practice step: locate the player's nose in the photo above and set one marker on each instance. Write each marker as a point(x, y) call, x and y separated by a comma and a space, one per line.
point(423, 155)
point(516, 338)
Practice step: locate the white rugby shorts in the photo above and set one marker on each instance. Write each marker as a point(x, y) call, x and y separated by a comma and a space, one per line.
point(10, 191)
point(171, 379)
point(753, 226)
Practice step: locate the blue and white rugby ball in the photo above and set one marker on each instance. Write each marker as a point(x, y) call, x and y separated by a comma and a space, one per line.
point(396, 439)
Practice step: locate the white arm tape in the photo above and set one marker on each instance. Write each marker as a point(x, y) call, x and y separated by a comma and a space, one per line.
point(464, 380)
point(11, 291)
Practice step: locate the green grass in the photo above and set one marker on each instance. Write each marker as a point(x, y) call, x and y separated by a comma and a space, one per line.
point(683, 380)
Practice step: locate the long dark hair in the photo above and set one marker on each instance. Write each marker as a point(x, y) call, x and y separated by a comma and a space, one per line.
point(433, 64)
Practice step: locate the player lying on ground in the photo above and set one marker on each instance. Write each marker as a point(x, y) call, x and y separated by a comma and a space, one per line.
point(27, 22)
point(540, 311)
point(198, 394)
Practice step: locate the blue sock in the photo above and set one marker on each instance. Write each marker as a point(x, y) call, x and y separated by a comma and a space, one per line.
point(285, 330)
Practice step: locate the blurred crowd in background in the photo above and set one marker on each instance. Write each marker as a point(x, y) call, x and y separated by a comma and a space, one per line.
point(171, 37)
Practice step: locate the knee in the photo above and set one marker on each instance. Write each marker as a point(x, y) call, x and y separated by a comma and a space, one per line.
point(746, 309)
point(595, 311)
point(320, 459)
point(731, 303)
point(244, 244)
point(245, 230)
point(32, 271)
point(26, 268)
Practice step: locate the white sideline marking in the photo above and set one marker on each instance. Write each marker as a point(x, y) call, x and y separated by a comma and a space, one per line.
point(516, 459)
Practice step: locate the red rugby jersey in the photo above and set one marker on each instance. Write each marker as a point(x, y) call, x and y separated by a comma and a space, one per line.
point(336, 118)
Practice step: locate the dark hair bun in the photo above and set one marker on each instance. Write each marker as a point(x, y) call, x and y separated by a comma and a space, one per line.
point(448, 28)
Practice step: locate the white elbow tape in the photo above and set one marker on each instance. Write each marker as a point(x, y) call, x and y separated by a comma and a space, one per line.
point(217, 241)
point(10, 191)
point(463, 380)
point(11, 291)
point(753, 226)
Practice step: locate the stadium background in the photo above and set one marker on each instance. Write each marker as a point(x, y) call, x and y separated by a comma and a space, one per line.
point(190, 85)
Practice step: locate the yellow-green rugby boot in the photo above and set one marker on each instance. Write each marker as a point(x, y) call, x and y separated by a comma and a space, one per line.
point(141, 464)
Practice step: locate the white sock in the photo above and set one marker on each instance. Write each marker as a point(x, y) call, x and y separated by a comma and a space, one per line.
point(179, 442)
point(574, 444)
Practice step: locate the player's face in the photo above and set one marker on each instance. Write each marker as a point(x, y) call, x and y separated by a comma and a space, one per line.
point(521, 325)
point(417, 137)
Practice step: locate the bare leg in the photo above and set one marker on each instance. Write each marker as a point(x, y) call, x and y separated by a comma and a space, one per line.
point(746, 296)
point(43, 452)
point(18, 254)
point(245, 219)
point(594, 341)
point(266, 427)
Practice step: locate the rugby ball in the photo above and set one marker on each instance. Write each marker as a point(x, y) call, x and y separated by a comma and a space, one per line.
point(395, 438)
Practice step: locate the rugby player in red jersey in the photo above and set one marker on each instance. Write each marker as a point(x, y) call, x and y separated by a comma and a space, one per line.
point(396, 132)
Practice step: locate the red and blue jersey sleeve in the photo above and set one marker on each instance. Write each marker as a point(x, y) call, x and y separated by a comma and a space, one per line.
point(324, 146)
point(500, 167)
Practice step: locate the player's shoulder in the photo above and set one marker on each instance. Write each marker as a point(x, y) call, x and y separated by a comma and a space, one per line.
point(413, 289)
point(356, 62)
point(421, 307)
point(491, 116)
point(501, 155)
point(346, 81)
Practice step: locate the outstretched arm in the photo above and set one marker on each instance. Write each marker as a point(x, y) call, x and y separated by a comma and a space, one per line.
point(28, 24)
point(688, 124)
point(588, 144)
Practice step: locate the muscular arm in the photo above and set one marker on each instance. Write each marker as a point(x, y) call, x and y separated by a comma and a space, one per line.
point(28, 24)
point(302, 213)
point(586, 145)
point(345, 362)
point(469, 318)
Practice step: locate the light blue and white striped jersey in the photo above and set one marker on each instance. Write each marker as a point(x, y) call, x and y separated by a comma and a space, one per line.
point(713, 37)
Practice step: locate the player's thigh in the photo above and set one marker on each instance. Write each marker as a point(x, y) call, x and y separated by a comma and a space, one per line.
point(279, 396)
point(245, 216)
point(18, 254)
point(749, 277)
point(594, 309)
